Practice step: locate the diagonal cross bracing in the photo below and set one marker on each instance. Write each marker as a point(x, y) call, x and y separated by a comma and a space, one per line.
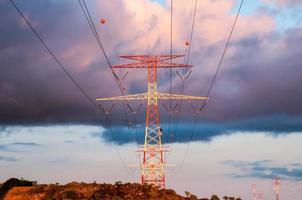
point(153, 163)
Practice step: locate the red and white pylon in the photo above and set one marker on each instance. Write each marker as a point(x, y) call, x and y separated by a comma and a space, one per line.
point(276, 186)
point(153, 163)
point(254, 192)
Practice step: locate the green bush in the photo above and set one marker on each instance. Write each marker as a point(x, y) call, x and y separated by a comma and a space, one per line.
point(69, 194)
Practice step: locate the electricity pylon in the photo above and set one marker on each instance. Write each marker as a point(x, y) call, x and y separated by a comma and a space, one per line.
point(153, 163)
point(260, 196)
point(277, 188)
point(254, 192)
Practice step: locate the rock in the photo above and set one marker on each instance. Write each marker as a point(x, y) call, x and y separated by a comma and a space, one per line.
point(13, 182)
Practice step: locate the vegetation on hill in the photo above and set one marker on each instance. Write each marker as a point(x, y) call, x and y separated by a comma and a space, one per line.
point(117, 191)
point(10, 183)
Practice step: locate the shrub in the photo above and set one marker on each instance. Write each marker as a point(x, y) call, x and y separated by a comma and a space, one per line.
point(69, 194)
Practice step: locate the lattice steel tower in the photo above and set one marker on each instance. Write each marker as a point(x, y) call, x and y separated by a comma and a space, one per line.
point(276, 185)
point(153, 163)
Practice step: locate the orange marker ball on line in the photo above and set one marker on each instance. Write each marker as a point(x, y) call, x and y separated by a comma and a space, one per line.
point(103, 21)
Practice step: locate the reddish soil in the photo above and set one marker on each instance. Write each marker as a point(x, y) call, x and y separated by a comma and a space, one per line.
point(94, 191)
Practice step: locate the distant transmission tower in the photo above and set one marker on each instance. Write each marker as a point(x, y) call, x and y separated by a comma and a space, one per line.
point(277, 188)
point(260, 196)
point(254, 192)
point(153, 163)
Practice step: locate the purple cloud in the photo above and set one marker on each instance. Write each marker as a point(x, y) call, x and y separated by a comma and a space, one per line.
point(260, 76)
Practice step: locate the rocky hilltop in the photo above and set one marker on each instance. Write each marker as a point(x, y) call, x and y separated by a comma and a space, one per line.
point(92, 191)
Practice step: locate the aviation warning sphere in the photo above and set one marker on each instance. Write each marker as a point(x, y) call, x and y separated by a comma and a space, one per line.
point(103, 21)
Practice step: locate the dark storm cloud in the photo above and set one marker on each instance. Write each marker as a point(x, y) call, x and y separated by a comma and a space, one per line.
point(19, 146)
point(33, 89)
point(8, 148)
point(205, 132)
point(25, 144)
point(8, 159)
point(69, 141)
point(257, 82)
point(265, 169)
point(121, 135)
point(260, 80)
point(4, 148)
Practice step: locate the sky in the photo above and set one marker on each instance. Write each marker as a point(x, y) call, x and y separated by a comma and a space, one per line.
point(249, 132)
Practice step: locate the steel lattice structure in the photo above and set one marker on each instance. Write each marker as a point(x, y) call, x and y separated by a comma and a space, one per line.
point(153, 163)
point(277, 188)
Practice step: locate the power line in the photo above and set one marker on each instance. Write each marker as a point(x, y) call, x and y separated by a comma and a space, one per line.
point(97, 37)
point(211, 85)
point(97, 106)
point(187, 62)
point(171, 60)
point(225, 49)
point(54, 57)
point(190, 35)
point(101, 46)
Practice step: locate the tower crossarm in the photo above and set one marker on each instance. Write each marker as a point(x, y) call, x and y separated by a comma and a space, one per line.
point(160, 95)
point(158, 58)
point(171, 65)
point(168, 96)
point(140, 96)
point(159, 64)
